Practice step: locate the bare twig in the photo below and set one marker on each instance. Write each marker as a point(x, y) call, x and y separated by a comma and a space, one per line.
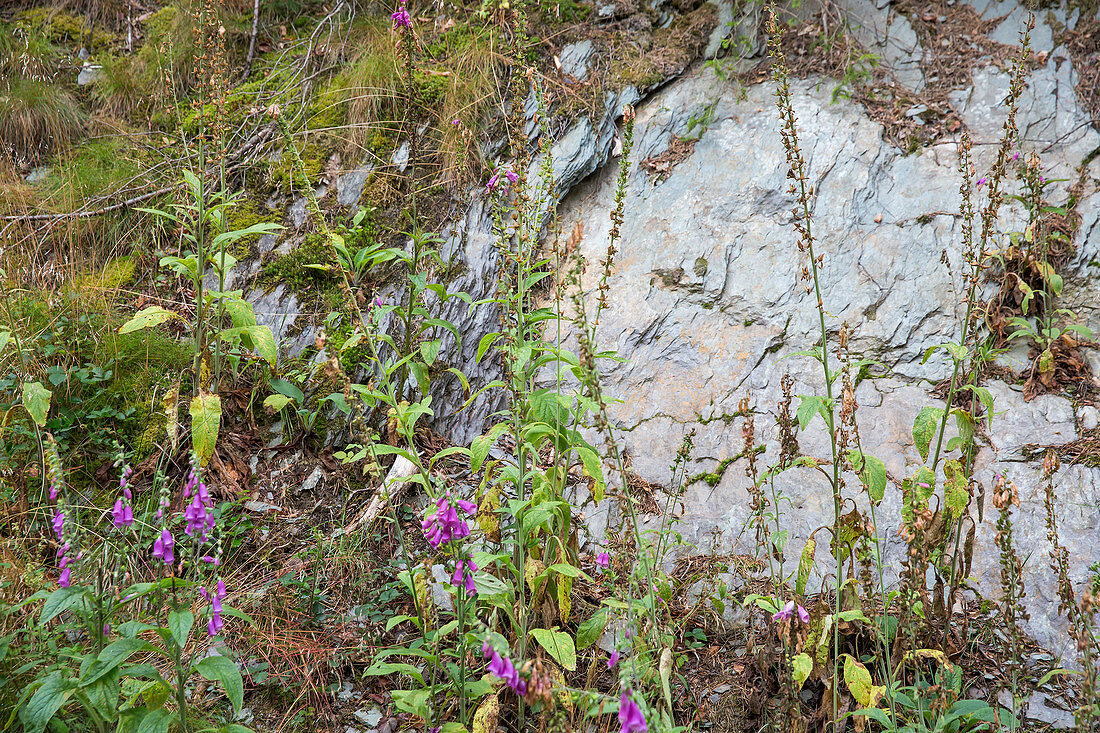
point(252, 40)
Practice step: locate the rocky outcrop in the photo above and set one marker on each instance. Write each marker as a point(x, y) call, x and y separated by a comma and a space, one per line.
point(707, 306)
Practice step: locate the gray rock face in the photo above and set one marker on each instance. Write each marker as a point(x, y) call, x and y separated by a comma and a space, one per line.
point(574, 59)
point(349, 186)
point(890, 37)
point(707, 306)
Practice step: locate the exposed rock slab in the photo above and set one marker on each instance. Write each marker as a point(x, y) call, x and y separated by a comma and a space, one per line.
point(707, 306)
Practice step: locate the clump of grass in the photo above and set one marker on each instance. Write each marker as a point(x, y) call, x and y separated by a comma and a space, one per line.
point(369, 87)
point(471, 79)
point(37, 118)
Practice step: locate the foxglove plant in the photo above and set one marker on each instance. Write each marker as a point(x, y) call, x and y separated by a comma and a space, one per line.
point(94, 592)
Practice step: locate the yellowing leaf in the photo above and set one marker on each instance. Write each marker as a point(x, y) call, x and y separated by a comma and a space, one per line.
point(565, 602)
point(558, 645)
point(171, 414)
point(858, 680)
point(801, 666)
point(805, 564)
point(264, 343)
point(531, 572)
point(276, 402)
point(485, 719)
point(154, 315)
point(206, 415)
point(36, 399)
point(956, 487)
point(487, 517)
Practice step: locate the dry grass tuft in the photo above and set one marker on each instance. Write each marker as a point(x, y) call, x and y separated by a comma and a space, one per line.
point(37, 118)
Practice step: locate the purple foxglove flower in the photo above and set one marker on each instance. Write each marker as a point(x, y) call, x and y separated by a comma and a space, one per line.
point(464, 576)
point(1016, 155)
point(215, 625)
point(614, 659)
point(492, 184)
point(59, 524)
point(445, 524)
point(502, 668)
point(630, 715)
point(785, 614)
point(512, 176)
point(64, 581)
point(162, 547)
point(803, 616)
point(53, 492)
point(603, 561)
point(486, 649)
point(401, 19)
point(982, 181)
point(122, 515)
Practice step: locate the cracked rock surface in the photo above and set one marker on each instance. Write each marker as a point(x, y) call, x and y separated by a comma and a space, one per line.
point(707, 306)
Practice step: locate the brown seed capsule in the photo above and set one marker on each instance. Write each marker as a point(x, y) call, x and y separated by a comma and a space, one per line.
point(1050, 463)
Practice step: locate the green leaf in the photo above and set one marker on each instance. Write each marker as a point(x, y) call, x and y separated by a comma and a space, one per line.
point(224, 670)
point(593, 468)
point(263, 341)
point(206, 415)
point(276, 402)
point(180, 623)
point(590, 631)
point(986, 398)
point(801, 666)
point(924, 429)
point(811, 405)
point(60, 600)
point(413, 702)
point(483, 345)
point(46, 700)
point(240, 310)
point(36, 399)
point(288, 389)
point(385, 669)
point(872, 473)
point(570, 571)
point(112, 655)
point(479, 448)
point(157, 721)
point(430, 350)
point(149, 317)
point(558, 645)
